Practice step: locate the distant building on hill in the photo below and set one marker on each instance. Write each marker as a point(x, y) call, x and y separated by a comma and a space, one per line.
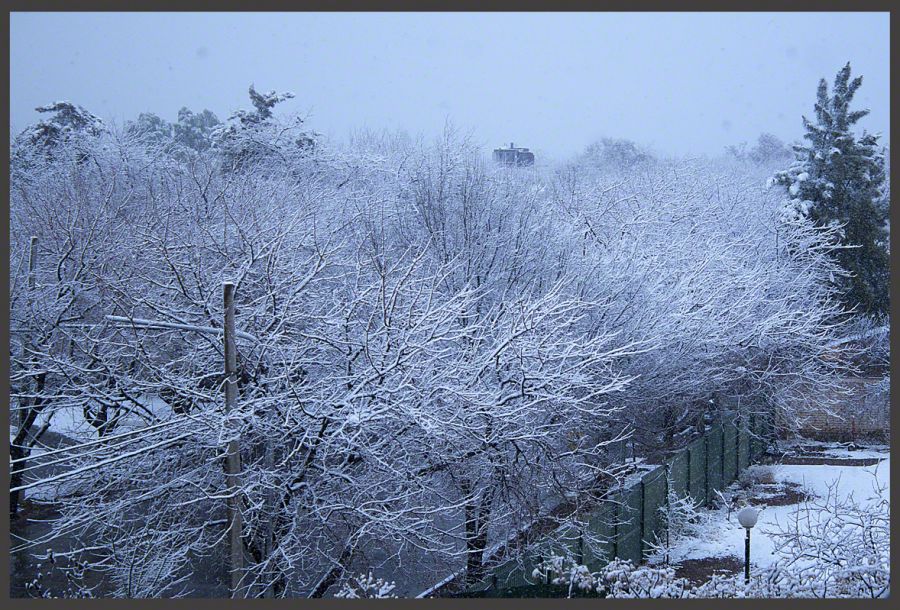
point(519, 157)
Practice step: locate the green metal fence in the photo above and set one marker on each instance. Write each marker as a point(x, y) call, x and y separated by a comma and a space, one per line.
point(678, 468)
point(654, 487)
point(696, 453)
point(714, 462)
point(602, 524)
point(729, 453)
point(629, 520)
point(629, 528)
point(743, 448)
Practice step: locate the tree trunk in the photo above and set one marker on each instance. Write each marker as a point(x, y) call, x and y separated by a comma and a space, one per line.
point(19, 449)
point(477, 513)
point(334, 573)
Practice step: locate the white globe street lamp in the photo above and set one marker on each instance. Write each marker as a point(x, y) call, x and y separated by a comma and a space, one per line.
point(747, 518)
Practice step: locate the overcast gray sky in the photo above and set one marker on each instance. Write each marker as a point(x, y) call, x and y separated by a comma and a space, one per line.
point(680, 83)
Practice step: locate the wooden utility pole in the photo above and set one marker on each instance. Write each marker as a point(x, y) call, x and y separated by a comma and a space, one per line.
point(32, 260)
point(233, 458)
point(32, 263)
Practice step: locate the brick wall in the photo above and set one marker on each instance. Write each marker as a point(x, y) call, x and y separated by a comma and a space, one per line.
point(864, 413)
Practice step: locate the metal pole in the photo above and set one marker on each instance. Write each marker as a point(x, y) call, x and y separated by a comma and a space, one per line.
point(747, 558)
point(233, 457)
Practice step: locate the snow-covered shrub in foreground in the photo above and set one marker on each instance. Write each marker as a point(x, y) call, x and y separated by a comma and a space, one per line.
point(682, 517)
point(618, 579)
point(836, 546)
point(367, 587)
point(833, 546)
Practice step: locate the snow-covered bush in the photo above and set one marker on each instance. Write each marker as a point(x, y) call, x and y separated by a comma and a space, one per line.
point(72, 571)
point(621, 579)
point(681, 516)
point(836, 546)
point(367, 587)
point(564, 570)
point(756, 474)
point(618, 579)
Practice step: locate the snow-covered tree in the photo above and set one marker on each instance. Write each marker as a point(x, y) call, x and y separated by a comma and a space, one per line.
point(767, 150)
point(435, 353)
point(68, 119)
point(838, 180)
point(253, 136)
point(194, 130)
point(681, 516)
point(151, 129)
point(70, 131)
point(617, 154)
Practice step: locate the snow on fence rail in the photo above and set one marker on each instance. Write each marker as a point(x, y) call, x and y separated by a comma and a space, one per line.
point(628, 520)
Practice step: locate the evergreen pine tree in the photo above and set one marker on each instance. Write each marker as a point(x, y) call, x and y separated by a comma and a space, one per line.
point(150, 129)
point(250, 136)
point(839, 180)
point(194, 131)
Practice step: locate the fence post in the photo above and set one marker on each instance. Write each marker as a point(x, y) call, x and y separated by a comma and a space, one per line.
point(706, 493)
point(233, 457)
point(615, 549)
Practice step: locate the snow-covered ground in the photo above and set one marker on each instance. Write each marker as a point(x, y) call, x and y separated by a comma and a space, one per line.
point(723, 537)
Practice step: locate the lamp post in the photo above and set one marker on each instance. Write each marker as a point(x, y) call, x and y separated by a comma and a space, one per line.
point(747, 518)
